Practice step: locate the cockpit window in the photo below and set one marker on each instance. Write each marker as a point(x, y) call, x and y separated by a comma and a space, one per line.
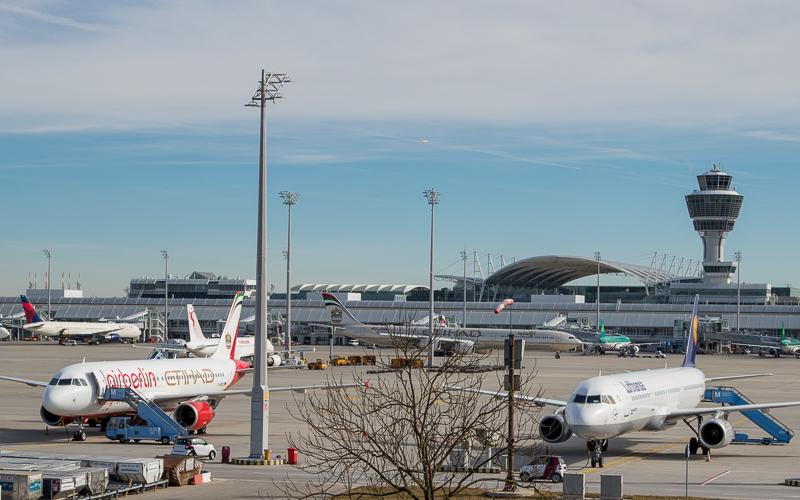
point(76, 381)
point(65, 381)
point(607, 399)
point(84, 383)
point(579, 398)
point(593, 399)
point(54, 381)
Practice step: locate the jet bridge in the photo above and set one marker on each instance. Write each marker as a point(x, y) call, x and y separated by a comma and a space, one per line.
point(780, 434)
point(145, 409)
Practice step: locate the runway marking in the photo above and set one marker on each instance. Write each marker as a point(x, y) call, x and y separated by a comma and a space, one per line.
point(715, 477)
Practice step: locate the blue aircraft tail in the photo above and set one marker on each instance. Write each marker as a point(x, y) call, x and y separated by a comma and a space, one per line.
point(31, 316)
point(691, 342)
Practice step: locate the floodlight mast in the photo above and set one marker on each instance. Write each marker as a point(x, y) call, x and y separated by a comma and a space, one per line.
point(166, 293)
point(47, 254)
point(268, 90)
point(289, 198)
point(433, 200)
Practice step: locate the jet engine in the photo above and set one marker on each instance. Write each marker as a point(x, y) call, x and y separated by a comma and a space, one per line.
point(274, 360)
point(113, 337)
point(554, 428)
point(52, 419)
point(716, 433)
point(193, 415)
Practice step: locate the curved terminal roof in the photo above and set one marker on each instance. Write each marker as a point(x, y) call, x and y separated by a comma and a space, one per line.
point(553, 271)
point(332, 287)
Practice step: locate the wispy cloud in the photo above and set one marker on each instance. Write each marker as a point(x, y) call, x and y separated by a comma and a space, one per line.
point(51, 19)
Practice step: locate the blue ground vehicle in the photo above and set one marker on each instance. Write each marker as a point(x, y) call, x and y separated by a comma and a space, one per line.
point(121, 429)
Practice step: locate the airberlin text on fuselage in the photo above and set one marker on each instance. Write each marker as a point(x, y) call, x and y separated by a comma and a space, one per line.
point(141, 378)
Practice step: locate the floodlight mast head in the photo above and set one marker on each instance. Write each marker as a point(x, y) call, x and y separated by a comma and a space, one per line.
point(289, 197)
point(432, 196)
point(269, 89)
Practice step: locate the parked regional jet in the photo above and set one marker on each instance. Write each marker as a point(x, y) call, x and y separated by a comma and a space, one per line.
point(650, 400)
point(789, 346)
point(192, 387)
point(478, 340)
point(618, 342)
point(76, 330)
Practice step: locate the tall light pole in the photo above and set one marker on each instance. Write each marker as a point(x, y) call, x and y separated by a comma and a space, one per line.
point(47, 254)
point(433, 200)
point(268, 90)
point(597, 256)
point(464, 258)
point(166, 293)
point(289, 199)
point(738, 256)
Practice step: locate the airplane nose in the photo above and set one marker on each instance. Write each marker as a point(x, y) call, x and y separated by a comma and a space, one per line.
point(54, 400)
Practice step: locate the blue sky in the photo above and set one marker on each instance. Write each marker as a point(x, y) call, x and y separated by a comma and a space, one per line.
point(562, 128)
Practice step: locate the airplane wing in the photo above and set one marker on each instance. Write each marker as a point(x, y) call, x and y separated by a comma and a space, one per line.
point(677, 414)
point(167, 399)
point(32, 383)
point(711, 379)
point(535, 400)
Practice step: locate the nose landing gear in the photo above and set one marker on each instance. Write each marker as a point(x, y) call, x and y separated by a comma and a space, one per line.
point(80, 434)
point(596, 449)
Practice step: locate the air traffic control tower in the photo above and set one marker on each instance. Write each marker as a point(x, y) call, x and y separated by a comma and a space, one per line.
point(714, 210)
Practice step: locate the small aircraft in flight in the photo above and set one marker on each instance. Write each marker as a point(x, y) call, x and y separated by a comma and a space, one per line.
point(608, 406)
point(65, 330)
point(477, 340)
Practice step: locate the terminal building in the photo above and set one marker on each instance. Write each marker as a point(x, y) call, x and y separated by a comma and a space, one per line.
point(654, 310)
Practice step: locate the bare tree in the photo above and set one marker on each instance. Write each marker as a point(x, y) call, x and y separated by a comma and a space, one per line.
point(395, 433)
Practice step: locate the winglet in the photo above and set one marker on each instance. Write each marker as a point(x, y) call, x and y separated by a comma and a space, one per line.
point(691, 344)
point(31, 316)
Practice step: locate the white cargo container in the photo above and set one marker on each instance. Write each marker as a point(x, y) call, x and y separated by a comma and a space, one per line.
point(141, 470)
point(21, 485)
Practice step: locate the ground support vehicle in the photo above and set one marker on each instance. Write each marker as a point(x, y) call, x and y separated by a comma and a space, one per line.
point(194, 446)
point(339, 360)
point(319, 364)
point(121, 429)
point(544, 468)
point(160, 426)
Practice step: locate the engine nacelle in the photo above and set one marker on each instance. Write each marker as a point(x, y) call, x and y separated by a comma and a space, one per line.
point(52, 419)
point(483, 350)
point(274, 360)
point(194, 415)
point(113, 337)
point(554, 428)
point(716, 433)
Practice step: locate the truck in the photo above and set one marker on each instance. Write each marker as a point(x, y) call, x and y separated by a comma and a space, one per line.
point(339, 360)
point(319, 364)
point(121, 429)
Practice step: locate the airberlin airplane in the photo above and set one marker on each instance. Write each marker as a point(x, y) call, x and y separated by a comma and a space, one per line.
point(192, 387)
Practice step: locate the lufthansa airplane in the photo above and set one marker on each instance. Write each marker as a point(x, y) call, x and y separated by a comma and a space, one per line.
point(478, 340)
point(649, 400)
point(192, 387)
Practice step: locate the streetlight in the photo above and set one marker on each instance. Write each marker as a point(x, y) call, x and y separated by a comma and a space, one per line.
point(433, 200)
point(47, 254)
point(738, 256)
point(166, 293)
point(511, 354)
point(268, 90)
point(597, 256)
point(464, 258)
point(289, 199)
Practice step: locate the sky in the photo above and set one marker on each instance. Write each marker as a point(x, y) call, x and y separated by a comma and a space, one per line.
point(554, 128)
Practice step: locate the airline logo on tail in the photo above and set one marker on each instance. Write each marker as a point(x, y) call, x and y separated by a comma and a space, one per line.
point(602, 330)
point(338, 311)
point(691, 347)
point(336, 315)
point(31, 316)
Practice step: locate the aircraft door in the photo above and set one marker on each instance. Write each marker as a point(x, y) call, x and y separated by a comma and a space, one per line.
point(98, 382)
point(623, 401)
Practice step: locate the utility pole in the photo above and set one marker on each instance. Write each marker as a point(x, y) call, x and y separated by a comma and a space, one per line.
point(47, 254)
point(738, 256)
point(464, 258)
point(597, 256)
point(268, 90)
point(511, 386)
point(289, 198)
point(166, 293)
point(433, 200)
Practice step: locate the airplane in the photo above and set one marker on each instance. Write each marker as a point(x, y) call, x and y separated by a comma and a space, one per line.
point(4, 334)
point(621, 343)
point(789, 346)
point(476, 340)
point(425, 141)
point(191, 387)
point(76, 330)
point(608, 406)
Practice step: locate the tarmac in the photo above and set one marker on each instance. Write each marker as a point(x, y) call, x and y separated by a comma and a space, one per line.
point(650, 462)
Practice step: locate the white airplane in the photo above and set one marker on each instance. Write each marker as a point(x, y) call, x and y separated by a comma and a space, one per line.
point(192, 387)
point(650, 400)
point(76, 330)
point(4, 334)
point(200, 346)
point(619, 343)
point(475, 340)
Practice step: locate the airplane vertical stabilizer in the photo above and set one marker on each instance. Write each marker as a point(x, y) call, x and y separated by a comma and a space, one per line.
point(339, 315)
point(691, 343)
point(227, 344)
point(31, 316)
point(195, 332)
point(602, 331)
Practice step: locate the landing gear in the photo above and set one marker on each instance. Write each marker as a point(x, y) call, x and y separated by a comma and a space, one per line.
point(558, 355)
point(693, 446)
point(596, 449)
point(79, 435)
point(202, 430)
point(104, 423)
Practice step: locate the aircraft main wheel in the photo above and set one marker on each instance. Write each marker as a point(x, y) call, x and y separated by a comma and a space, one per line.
point(693, 446)
point(600, 461)
point(202, 430)
point(92, 422)
point(165, 440)
point(191, 432)
point(212, 454)
point(558, 356)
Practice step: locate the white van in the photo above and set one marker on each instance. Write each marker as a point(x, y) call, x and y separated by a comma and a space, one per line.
point(354, 343)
